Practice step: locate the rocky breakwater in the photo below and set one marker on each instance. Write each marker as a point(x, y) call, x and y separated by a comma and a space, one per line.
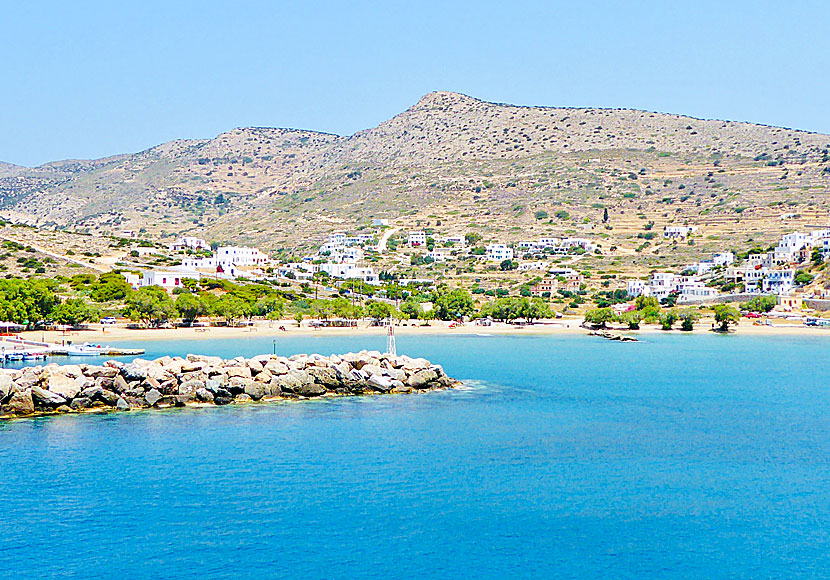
point(206, 380)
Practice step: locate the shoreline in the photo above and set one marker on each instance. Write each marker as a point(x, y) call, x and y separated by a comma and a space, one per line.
point(565, 327)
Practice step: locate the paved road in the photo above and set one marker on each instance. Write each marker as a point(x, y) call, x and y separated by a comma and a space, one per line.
point(385, 238)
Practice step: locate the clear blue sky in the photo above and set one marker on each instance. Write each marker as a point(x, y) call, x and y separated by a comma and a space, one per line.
point(89, 79)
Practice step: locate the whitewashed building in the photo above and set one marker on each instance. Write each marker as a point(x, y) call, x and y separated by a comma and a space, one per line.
point(167, 279)
point(498, 252)
point(189, 243)
point(670, 232)
point(635, 288)
point(417, 239)
point(439, 254)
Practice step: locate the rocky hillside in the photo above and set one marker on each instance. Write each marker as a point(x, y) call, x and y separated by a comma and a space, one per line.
point(452, 162)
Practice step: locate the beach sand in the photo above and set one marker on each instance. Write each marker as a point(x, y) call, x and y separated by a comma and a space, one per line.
point(565, 326)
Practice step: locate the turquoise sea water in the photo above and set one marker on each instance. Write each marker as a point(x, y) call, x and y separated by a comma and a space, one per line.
point(566, 457)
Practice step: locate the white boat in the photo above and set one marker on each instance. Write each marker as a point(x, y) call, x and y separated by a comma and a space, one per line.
point(83, 350)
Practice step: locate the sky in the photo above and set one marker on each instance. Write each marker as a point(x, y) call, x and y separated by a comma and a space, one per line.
point(91, 79)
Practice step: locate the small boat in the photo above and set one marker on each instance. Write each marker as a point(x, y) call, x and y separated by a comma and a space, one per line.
point(84, 350)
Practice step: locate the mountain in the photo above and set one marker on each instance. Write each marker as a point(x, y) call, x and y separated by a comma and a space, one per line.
point(455, 163)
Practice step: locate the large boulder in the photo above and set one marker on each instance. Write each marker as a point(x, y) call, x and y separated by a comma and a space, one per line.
point(63, 385)
point(28, 379)
point(272, 389)
point(6, 385)
point(421, 379)
point(263, 377)
point(108, 397)
point(240, 371)
point(310, 390)
point(204, 396)
point(212, 385)
point(255, 390)
point(237, 385)
point(100, 372)
point(190, 387)
point(134, 371)
point(223, 397)
point(80, 403)
point(276, 367)
point(380, 383)
point(43, 397)
point(325, 376)
point(152, 397)
point(120, 385)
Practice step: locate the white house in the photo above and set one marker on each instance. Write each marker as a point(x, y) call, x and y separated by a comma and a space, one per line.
point(417, 239)
point(440, 254)
point(636, 288)
point(678, 231)
point(723, 259)
point(456, 241)
point(240, 256)
point(337, 238)
point(498, 252)
point(189, 243)
point(528, 266)
point(167, 279)
point(350, 271)
point(778, 282)
point(380, 222)
point(133, 280)
point(693, 291)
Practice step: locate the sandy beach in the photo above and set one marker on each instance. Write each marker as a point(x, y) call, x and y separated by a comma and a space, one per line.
point(565, 326)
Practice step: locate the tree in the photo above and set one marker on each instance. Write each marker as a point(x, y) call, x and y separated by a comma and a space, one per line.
point(453, 304)
point(534, 309)
point(230, 308)
point(599, 317)
point(472, 238)
point(667, 319)
point(688, 318)
point(189, 306)
point(508, 265)
point(803, 278)
point(645, 302)
point(75, 311)
point(110, 286)
point(726, 315)
point(760, 304)
point(631, 318)
point(412, 309)
point(150, 305)
point(379, 310)
point(27, 301)
point(817, 257)
point(605, 216)
point(322, 309)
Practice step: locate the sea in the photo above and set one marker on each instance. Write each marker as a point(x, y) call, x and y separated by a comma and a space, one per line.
point(562, 457)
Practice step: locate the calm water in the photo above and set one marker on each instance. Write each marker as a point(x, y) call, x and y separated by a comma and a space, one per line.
point(676, 457)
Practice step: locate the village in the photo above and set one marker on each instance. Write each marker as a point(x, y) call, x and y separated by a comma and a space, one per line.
point(553, 263)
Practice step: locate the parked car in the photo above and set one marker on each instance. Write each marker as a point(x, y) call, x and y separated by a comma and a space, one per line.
point(752, 315)
point(108, 320)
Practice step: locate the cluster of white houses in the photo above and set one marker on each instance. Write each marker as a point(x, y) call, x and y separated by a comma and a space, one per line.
point(447, 246)
point(770, 272)
point(556, 246)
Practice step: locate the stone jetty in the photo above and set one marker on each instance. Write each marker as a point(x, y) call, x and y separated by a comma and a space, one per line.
point(206, 380)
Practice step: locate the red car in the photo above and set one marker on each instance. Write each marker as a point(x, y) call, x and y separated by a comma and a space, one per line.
point(752, 315)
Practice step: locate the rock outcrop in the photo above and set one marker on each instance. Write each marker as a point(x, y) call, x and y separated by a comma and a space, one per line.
point(204, 380)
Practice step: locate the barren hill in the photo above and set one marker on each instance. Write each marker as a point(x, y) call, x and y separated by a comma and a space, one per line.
point(503, 170)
